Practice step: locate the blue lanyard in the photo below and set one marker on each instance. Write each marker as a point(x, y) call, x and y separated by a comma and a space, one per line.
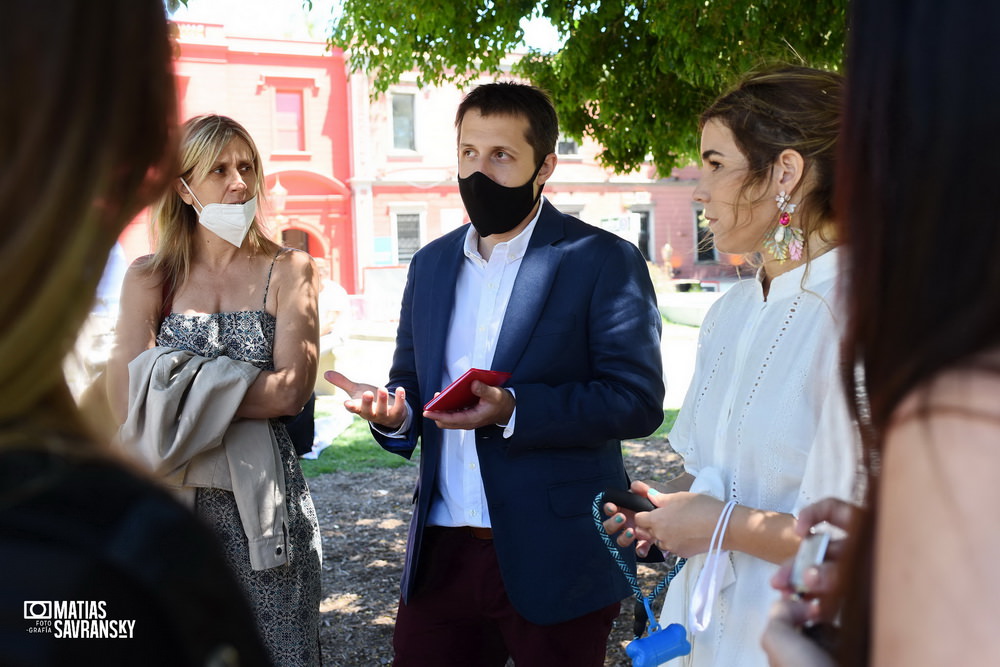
point(652, 625)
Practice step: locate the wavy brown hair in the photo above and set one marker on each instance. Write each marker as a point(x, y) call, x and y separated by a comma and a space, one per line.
point(86, 120)
point(783, 107)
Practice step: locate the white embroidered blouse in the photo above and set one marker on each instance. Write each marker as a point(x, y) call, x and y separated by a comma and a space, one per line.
point(766, 412)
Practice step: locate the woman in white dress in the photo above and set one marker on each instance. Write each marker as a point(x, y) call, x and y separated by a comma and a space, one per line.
point(764, 429)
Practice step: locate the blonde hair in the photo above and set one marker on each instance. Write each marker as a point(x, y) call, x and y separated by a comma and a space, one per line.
point(203, 138)
point(86, 142)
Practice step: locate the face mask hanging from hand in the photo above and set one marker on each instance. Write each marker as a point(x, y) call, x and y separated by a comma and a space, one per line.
point(230, 222)
point(495, 208)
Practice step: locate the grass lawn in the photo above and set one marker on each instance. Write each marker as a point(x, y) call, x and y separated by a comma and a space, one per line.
point(353, 450)
point(669, 416)
point(356, 450)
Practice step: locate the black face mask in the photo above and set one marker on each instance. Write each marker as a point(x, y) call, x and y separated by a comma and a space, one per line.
point(495, 208)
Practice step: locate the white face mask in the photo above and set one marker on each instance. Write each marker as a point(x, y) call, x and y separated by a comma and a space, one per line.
point(230, 222)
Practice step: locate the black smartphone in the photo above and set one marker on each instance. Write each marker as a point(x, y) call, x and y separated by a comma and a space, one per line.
point(625, 499)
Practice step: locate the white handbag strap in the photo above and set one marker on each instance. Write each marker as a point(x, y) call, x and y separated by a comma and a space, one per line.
point(707, 585)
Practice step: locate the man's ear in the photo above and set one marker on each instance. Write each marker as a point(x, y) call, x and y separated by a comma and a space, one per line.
point(548, 166)
point(789, 169)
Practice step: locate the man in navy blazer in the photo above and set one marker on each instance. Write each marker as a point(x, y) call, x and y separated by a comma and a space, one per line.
point(503, 557)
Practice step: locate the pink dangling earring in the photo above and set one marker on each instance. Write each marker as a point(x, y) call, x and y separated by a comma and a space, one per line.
point(786, 242)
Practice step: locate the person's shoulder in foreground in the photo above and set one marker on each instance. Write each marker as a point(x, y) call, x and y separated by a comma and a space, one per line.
point(101, 565)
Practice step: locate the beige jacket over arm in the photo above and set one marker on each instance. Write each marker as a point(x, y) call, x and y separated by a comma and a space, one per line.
point(180, 425)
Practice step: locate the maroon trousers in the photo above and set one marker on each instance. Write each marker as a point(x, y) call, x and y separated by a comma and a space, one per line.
point(460, 616)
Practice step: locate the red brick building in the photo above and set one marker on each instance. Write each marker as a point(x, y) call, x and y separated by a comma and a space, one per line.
point(292, 97)
point(364, 182)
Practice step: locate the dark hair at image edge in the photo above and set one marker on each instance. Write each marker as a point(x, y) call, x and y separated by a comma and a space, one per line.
point(509, 98)
point(86, 123)
point(916, 190)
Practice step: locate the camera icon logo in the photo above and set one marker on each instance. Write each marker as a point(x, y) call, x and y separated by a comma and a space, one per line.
point(35, 610)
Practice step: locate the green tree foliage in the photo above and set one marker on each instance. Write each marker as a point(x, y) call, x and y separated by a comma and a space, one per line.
point(634, 75)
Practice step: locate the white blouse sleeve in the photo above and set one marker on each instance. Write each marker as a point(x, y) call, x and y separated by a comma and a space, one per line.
point(833, 464)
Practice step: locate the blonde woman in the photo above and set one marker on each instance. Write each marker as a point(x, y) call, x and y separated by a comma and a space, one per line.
point(219, 298)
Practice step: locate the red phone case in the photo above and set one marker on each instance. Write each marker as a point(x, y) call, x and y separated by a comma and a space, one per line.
point(458, 395)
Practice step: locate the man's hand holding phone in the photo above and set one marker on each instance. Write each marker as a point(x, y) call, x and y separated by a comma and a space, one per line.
point(473, 400)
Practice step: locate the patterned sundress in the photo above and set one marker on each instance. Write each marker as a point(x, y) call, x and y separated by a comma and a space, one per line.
point(285, 599)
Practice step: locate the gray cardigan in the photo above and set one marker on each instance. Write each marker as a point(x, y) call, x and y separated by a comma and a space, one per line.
point(181, 425)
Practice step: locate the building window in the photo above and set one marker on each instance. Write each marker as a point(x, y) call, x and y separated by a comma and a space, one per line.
point(645, 237)
point(407, 236)
point(295, 238)
point(403, 134)
point(288, 117)
point(575, 210)
point(567, 146)
point(705, 247)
